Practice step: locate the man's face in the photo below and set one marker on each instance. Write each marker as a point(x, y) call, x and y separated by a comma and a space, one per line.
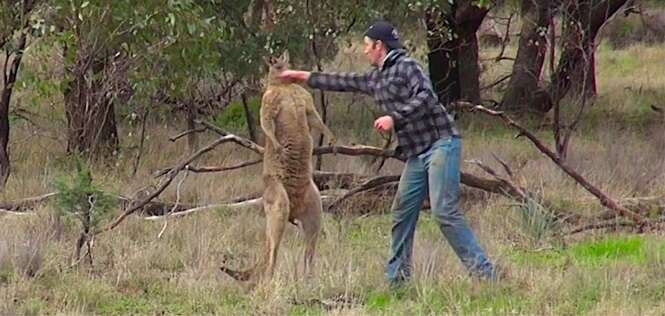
point(374, 51)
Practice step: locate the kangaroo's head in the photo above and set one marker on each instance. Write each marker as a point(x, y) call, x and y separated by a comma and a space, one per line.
point(276, 65)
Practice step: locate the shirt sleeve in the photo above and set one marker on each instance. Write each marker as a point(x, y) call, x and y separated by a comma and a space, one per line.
point(347, 82)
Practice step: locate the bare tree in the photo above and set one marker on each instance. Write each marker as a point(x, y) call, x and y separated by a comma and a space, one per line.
point(576, 68)
point(13, 53)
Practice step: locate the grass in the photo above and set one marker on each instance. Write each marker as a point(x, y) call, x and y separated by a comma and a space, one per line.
point(619, 147)
point(593, 253)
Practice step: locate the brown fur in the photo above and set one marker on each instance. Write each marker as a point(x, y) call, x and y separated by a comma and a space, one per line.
point(290, 195)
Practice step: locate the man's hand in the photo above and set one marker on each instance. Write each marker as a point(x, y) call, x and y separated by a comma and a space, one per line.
point(294, 76)
point(384, 124)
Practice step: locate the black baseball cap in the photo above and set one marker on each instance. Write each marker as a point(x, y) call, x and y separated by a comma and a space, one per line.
point(385, 32)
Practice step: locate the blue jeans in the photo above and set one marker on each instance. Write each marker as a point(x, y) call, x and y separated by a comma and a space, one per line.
point(437, 169)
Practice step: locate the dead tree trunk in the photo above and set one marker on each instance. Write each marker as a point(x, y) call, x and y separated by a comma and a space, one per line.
point(90, 111)
point(524, 82)
point(576, 69)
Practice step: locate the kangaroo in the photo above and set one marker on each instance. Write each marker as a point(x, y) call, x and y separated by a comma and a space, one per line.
point(290, 195)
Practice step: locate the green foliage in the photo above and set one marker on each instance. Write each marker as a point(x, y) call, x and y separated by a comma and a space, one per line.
point(80, 198)
point(233, 118)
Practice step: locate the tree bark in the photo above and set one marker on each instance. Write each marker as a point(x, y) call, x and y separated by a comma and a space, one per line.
point(249, 118)
point(524, 82)
point(9, 75)
point(453, 51)
point(576, 69)
point(468, 18)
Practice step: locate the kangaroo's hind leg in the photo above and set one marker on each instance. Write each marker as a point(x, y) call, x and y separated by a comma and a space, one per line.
point(276, 207)
point(310, 219)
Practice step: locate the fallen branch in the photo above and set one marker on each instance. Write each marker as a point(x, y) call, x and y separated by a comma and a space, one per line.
point(24, 205)
point(329, 180)
point(603, 225)
point(255, 202)
point(211, 168)
point(605, 200)
point(171, 175)
point(506, 182)
point(613, 223)
point(236, 139)
point(357, 150)
point(366, 186)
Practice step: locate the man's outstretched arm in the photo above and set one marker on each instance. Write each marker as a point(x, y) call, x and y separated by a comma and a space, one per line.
point(346, 82)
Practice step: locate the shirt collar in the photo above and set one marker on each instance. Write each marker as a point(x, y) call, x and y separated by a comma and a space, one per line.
point(391, 57)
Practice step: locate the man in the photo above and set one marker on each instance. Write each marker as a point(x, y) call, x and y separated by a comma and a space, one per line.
point(427, 138)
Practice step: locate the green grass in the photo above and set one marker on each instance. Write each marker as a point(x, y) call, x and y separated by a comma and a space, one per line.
point(628, 250)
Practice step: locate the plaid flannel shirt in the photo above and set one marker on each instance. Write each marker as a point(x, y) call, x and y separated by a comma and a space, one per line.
point(403, 91)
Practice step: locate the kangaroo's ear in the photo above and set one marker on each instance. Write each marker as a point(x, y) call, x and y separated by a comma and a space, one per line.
point(285, 56)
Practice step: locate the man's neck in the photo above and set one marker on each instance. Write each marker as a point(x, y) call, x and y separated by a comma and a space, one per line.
point(382, 60)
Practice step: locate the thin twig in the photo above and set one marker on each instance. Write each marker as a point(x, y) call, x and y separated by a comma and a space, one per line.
point(504, 78)
point(187, 132)
point(506, 39)
point(221, 168)
point(175, 205)
point(505, 166)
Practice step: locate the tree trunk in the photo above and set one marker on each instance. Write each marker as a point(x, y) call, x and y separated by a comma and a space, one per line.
point(192, 138)
point(5, 167)
point(576, 68)
point(527, 69)
point(249, 118)
point(453, 51)
point(9, 75)
point(91, 125)
point(442, 55)
point(468, 18)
